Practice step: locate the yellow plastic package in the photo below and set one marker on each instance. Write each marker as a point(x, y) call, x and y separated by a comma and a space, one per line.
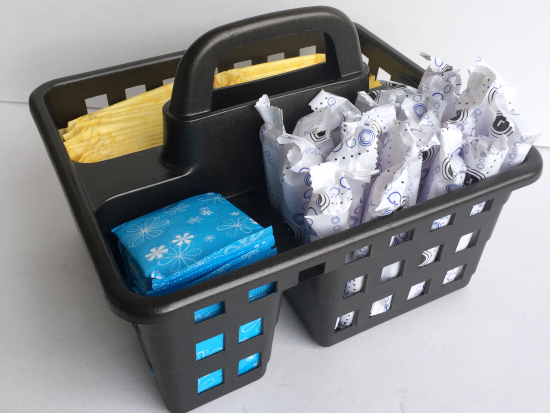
point(135, 124)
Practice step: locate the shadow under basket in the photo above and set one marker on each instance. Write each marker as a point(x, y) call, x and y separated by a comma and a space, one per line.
point(203, 156)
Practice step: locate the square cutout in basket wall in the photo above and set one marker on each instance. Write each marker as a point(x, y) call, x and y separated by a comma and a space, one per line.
point(134, 91)
point(250, 363)
point(275, 57)
point(381, 306)
point(261, 292)
point(208, 347)
point(344, 321)
point(209, 312)
point(443, 222)
point(401, 238)
point(250, 330)
point(431, 255)
point(389, 272)
point(96, 103)
point(467, 241)
point(418, 290)
point(304, 51)
point(240, 65)
point(210, 380)
point(167, 81)
point(355, 286)
point(453, 275)
point(311, 272)
point(481, 207)
point(357, 254)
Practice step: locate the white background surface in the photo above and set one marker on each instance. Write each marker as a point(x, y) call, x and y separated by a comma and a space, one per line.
point(44, 40)
point(481, 349)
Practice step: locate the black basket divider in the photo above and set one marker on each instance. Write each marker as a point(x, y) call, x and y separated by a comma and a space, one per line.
point(211, 145)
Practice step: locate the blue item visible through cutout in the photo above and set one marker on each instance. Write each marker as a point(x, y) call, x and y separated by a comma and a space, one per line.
point(250, 330)
point(249, 363)
point(261, 292)
point(208, 347)
point(209, 312)
point(210, 380)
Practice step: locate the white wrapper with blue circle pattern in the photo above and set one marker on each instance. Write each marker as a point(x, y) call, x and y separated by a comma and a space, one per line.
point(442, 82)
point(272, 150)
point(447, 171)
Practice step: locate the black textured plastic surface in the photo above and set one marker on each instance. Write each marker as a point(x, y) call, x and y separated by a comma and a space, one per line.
point(106, 194)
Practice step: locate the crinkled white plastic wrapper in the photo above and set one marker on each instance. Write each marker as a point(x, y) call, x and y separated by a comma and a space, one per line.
point(474, 115)
point(329, 111)
point(442, 82)
point(339, 184)
point(495, 116)
point(272, 150)
point(310, 127)
point(411, 139)
point(336, 108)
point(424, 121)
point(394, 93)
point(520, 135)
point(331, 208)
point(483, 157)
point(302, 153)
point(448, 170)
point(424, 107)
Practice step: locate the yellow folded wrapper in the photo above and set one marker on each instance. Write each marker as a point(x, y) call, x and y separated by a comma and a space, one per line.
point(135, 124)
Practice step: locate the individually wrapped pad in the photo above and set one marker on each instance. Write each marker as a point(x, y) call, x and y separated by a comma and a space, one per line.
point(520, 135)
point(442, 82)
point(271, 150)
point(335, 109)
point(447, 171)
point(424, 107)
point(391, 93)
point(483, 157)
point(337, 201)
point(472, 105)
point(321, 126)
point(302, 153)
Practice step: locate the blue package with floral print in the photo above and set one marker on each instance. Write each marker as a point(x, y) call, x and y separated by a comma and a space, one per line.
point(189, 242)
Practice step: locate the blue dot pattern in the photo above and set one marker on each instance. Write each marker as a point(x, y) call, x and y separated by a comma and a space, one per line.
point(208, 347)
point(249, 363)
point(210, 380)
point(250, 330)
point(261, 292)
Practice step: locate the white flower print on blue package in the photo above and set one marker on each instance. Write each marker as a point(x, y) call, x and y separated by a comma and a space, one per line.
point(190, 241)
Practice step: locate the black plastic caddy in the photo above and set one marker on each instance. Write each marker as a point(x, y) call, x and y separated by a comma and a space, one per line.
point(211, 145)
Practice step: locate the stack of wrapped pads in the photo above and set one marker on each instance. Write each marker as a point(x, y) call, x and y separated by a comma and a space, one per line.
point(346, 164)
point(189, 242)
